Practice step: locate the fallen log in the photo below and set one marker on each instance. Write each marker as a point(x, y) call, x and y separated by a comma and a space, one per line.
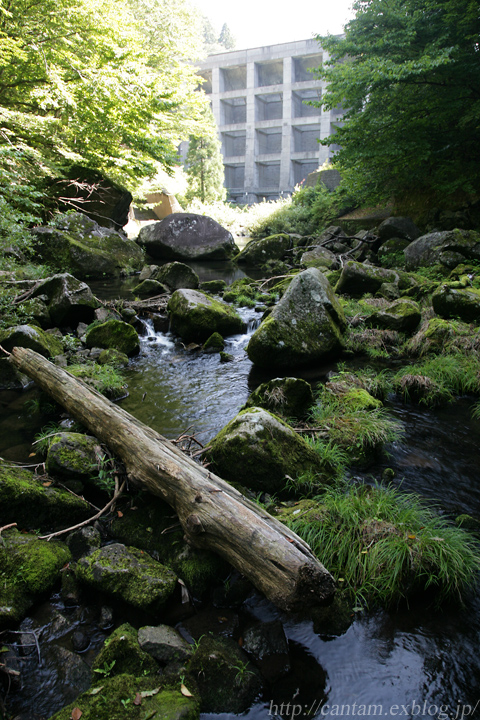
point(213, 514)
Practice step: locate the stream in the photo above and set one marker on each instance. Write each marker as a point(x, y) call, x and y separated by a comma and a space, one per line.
point(415, 662)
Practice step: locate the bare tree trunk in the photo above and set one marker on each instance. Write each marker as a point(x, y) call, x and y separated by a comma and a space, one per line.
point(213, 514)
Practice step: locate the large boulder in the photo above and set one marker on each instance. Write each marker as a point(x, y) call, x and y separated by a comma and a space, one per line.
point(448, 248)
point(129, 575)
point(289, 396)
point(398, 227)
point(195, 316)
point(403, 315)
point(258, 252)
point(81, 246)
point(186, 236)
point(176, 275)
point(34, 338)
point(462, 303)
point(319, 257)
point(259, 451)
point(114, 334)
point(357, 279)
point(74, 455)
point(303, 328)
point(69, 301)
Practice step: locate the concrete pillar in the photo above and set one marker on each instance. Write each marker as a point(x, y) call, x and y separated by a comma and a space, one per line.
point(285, 172)
point(250, 130)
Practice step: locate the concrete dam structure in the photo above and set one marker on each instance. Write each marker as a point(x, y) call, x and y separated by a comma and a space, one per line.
point(268, 130)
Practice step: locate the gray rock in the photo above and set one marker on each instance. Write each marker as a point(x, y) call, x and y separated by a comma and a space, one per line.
point(258, 450)
point(164, 643)
point(186, 236)
point(73, 455)
point(305, 327)
point(319, 257)
point(290, 397)
point(462, 303)
point(258, 252)
point(149, 288)
point(403, 315)
point(448, 248)
point(195, 316)
point(267, 645)
point(357, 279)
point(177, 275)
point(398, 227)
point(79, 245)
point(83, 541)
point(34, 338)
point(11, 378)
point(70, 301)
point(128, 574)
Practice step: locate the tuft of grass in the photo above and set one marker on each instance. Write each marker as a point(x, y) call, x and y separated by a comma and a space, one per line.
point(387, 545)
point(439, 378)
point(104, 378)
point(353, 428)
point(45, 437)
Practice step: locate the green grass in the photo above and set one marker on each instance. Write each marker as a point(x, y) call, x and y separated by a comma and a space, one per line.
point(439, 378)
point(353, 428)
point(104, 378)
point(386, 545)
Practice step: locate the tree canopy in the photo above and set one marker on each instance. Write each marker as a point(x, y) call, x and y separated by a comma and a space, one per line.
point(408, 74)
point(204, 166)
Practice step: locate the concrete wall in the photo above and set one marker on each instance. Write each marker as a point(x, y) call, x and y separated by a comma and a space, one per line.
point(269, 132)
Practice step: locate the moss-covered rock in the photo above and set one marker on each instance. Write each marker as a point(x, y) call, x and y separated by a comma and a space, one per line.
point(226, 679)
point(26, 501)
point(78, 245)
point(113, 357)
point(164, 643)
point(28, 568)
point(114, 699)
point(69, 300)
point(195, 316)
point(319, 257)
point(289, 397)
point(213, 286)
point(128, 574)
point(259, 252)
point(154, 527)
point(305, 327)
point(73, 455)
point(357, 279)
point(177, 275)
point(114, 334)
point(459, 303)
point(34, 338)
point(438, 335)
point(214, 343)
point(149, 288)
point(258, 450)
point(447, 248)
point(123, 654)
point(403, 315)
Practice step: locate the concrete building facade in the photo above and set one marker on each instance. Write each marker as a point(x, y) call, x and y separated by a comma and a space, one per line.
point(268, 130)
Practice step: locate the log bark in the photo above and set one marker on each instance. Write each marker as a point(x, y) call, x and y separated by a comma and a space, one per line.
point(213, 514)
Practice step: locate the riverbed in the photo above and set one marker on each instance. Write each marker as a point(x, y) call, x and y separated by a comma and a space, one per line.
point(412, 662)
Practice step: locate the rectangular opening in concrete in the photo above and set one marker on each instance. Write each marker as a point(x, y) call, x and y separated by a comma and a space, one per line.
point(206, 81)
point(305, 138)
point(269, 73)
point(234, 177)
point(302, 66)
point(268, 175)
point(301, 168)
point(300, 98)
point(233, 111)
point(233, 78)
point(233, 143)
point(269, 107)
point(268, 141)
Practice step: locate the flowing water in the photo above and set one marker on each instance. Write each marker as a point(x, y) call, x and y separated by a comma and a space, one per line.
point(416, 662)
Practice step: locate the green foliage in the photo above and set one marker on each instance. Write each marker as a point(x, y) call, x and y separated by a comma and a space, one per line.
point(439, 378)
point(45, 437)
point(204, 164)
point(308, 211)
point(387, 545)
point(352, 428)
point(104, 378)
point(407, 74)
